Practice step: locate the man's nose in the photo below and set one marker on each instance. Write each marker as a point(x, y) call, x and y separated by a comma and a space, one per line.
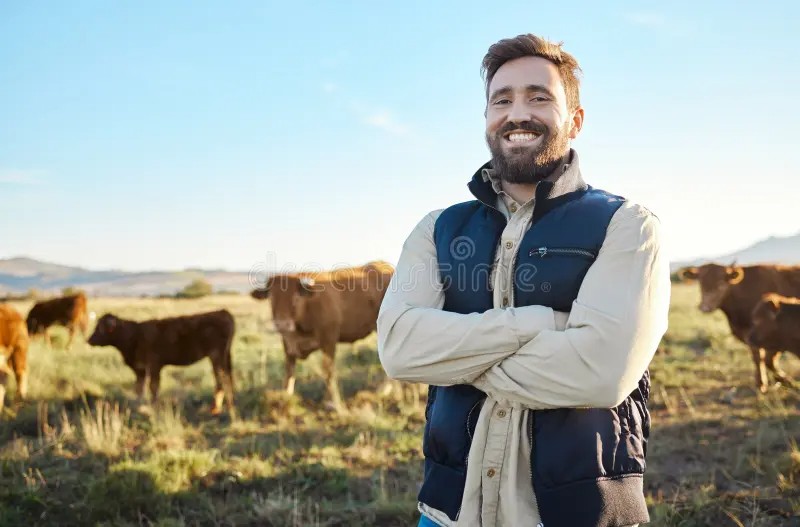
point(519, 112)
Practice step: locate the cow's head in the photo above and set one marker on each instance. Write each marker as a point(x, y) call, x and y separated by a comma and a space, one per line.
point(105, 333)
point(35, 326)
point(715, 281)
point(765, 321)
point(289, 298)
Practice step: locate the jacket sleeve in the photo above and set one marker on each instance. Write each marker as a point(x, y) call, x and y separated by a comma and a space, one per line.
point(419, 342)
point(612, 332)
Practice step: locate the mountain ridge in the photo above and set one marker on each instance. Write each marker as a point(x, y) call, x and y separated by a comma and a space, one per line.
point(20, 274)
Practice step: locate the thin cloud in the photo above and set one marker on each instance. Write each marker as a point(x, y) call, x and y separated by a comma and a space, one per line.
point(660, 23)
point(21, 177)
point(647, 19)
point(384, 120)
point(367, 114)
point(379, 118)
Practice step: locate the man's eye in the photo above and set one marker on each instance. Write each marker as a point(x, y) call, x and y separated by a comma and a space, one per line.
point(502, 101)
point(539, 99)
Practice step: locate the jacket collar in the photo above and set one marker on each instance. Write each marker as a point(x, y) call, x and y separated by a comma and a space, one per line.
point(565, 185)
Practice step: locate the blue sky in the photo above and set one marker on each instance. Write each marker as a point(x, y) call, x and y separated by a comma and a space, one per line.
point(164, 135)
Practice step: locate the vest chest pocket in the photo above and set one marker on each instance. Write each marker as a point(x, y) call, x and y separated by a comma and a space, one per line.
point(551, 275)
point(544, 251)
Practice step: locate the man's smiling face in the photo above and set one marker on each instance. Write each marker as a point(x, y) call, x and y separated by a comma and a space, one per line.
point(528, 122)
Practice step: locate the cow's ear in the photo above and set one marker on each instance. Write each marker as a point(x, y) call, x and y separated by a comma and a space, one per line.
point(768, 308)
point(734, 275)
point(774, 305)
point(307, 286)
point(688, 273)
point(263, 293)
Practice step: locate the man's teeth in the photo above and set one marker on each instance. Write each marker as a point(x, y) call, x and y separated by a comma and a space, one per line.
point(520, 137)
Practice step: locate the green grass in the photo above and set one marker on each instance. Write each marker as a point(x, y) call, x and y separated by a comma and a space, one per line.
point(83, 452)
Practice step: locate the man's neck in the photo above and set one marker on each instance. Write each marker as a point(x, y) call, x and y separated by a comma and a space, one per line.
point(524, 192)
point(519, 192)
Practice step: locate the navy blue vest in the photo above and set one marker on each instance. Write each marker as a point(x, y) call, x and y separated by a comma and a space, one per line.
point(587, 464)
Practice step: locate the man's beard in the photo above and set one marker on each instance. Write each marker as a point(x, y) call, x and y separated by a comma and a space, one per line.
point(526, 165)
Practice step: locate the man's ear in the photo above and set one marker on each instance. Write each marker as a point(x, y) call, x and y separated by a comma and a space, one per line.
point(576, 123)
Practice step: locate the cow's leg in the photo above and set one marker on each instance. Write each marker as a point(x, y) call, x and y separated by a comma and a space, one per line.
point(3, 379)
point(288, 376)
point(219, 391)
point(780, 375)
point(141, 375)
point(331, 379)
point(155, 380)
point(223, 375)
point(759, 355)
point(71, 329)
point(83, 325)
point(19, 361)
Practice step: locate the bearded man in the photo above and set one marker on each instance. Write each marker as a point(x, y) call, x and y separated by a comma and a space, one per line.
point(533, 312)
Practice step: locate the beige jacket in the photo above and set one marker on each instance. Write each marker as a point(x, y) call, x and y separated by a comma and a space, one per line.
point(526, 357)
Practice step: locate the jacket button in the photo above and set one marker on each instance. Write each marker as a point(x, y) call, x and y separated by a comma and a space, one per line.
point(505, 301)
point(513, 207)
point(491, 472)
point(501, 414)
point(509, 245)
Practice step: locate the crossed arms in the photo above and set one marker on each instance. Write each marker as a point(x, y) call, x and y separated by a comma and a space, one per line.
point(592, 356)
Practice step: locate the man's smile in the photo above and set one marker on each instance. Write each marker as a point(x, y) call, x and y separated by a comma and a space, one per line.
point(521, 137)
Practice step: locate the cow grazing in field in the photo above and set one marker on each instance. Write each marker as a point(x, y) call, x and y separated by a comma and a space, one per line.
point(317, 310)
point(736, 290)
point(776, 328)
point(148, 346)
point(69, 311)
point(13, 351)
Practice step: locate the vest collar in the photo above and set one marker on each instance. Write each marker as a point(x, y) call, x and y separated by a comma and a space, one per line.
point(550, 192)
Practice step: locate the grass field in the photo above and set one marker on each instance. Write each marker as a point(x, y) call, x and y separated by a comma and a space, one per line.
point(82, 452)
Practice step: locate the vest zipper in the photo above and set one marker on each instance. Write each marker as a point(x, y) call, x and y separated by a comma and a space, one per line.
point(531, 417)
point(469, 419)
point(544, 251)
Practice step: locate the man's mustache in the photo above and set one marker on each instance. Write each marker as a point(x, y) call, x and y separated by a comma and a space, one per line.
point(528, 126)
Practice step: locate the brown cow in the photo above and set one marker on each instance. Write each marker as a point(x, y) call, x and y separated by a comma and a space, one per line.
point(318, 310)
point(736, 290)
point(776, 328)
point(148, 346)
point(69, 311)
point(13, 351)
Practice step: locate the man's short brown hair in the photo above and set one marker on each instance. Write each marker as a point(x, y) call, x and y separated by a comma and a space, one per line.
point(530, 45)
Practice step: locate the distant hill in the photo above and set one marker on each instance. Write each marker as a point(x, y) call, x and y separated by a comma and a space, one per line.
point(773, 250)
point(18, 275)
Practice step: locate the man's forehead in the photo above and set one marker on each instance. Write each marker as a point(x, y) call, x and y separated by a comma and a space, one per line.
point(524, 71)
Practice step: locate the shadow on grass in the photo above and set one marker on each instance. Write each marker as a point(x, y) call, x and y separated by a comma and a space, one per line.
point(709, 471)
point(123, 494)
